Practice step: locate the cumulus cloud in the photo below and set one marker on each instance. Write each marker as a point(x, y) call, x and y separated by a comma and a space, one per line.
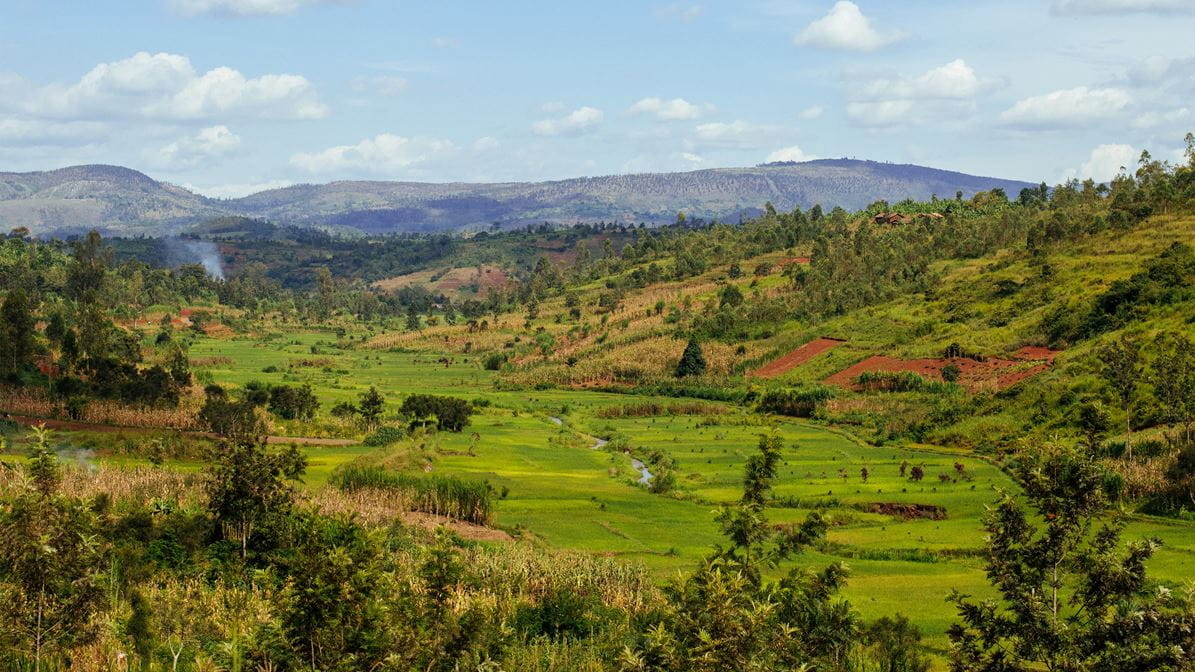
point(384, 154)
point(1106, 161)
point(812, 112)
point(670, 110)
point(237, 190)
point(485, 144)
point(15, 131)
point(1080, 7)
point(845, 27)
point(166, 87)
point(738, 135)
point(580, 120)
point(243, 7)
point(1067, 107)
point(1169, 118)
point(793, 153)
point(947, 91)
point(209, 145)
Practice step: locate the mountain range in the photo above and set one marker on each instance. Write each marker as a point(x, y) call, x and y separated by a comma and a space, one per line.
point(123, 201)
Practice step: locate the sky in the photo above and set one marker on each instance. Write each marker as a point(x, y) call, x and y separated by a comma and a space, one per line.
point(227, 97)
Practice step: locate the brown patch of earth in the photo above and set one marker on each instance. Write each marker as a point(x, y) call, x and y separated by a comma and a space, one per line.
point(470, 531)
point(909, 511)
point(797, 357)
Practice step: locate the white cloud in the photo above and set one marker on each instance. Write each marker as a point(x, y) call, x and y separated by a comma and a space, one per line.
point(243, 7)
point(1106, 161)
point(383, 85)
point(210, 144)
point(812, 112)
point(580, 120)
point(678, 11)
point(691, 157)
point(670, 110)
point(956, 79)
point(1067, 107)
point(166, 87)
point(793, 153)
point(845, 27)
point(446, 42)
point(944, 92)
point(1077, 7)
point(237, 190)
point(485, 144)
point(739, 135)
point(16, 131)
point(384, 154)
point(1154, 119)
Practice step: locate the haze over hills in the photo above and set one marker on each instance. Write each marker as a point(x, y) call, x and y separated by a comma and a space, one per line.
point(123, 201)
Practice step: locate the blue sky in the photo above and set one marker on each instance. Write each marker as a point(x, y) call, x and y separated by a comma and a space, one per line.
point(226, 96)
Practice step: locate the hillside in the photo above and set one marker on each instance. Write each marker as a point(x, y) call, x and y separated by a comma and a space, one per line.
point(124, 201)
point(109, 198)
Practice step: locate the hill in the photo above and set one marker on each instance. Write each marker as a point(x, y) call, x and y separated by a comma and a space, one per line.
point(109, 198)
point(119, 200)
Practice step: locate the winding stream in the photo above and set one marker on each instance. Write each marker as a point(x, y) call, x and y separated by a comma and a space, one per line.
point(645, 474)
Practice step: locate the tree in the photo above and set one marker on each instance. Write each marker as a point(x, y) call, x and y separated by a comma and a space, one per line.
point(16, 333)
point(1071, 595)
point(692, 361)
point(51, 567)
point(249, 485)
point(1174, 380)
point(1120, 367)
point(236, 421)
point(1093, 422)
point(725, 616)
point(85, 277)
point(371, 406)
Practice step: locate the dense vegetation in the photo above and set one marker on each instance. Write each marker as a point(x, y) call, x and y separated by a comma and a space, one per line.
point(270, 492)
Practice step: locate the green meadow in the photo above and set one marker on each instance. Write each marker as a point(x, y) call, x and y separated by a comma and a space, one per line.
point(560, 492)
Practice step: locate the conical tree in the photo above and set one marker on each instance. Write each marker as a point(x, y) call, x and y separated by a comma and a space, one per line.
point(692, 362)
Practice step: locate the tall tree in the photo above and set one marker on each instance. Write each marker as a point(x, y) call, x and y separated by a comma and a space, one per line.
point(1071, 596)
point(16, 339)
point(692, 360)
point(51, 565)
point(1120, 367)
point(1174, 380)
point(249, 485)
point(85, 277)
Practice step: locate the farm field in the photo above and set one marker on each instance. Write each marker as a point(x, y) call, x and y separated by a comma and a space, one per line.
point(562, 493)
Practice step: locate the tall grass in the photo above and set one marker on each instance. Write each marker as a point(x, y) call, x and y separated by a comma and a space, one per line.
point(470, 501)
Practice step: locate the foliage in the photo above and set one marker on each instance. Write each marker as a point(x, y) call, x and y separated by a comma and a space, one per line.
point(1071, 596)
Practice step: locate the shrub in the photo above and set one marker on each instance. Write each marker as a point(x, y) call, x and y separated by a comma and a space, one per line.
point(384, 436)
point(494, 361)
point(451, 414)
point(796, 402)
point(471, 501)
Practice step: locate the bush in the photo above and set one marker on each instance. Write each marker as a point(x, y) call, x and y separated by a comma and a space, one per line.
point(795, 402)
point(384, 436)
point(494, 361)
point(471, 501)
point(451, 414)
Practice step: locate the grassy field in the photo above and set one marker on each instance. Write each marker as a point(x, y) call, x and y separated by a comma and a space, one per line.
point(560, 492)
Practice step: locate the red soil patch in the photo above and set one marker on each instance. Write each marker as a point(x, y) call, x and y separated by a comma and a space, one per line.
point(797, 357)
point(993, 372)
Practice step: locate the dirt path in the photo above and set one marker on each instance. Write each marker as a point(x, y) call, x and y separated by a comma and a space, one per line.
point(73, 426)
point(797, 357)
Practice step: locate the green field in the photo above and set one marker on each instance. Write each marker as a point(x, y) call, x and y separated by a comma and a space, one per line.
point(563, 493)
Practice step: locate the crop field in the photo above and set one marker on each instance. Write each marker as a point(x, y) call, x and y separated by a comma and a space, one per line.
point(907, 544)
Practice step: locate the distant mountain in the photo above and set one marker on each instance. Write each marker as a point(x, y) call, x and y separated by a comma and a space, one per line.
point(125, 201)
point(109, 198)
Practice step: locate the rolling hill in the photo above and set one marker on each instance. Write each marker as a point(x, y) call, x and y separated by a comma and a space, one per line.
point(123, 201)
